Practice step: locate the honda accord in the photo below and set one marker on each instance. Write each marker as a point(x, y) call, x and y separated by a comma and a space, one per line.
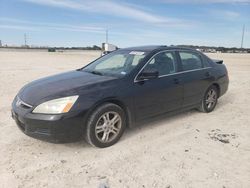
point(99, 101)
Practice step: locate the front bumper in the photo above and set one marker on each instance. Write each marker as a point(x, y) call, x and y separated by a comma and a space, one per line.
point(52, 128)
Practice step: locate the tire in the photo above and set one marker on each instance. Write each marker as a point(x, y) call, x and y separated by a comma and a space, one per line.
point(105, 125)
point(209, 100)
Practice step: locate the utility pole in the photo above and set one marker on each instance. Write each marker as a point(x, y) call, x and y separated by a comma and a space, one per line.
point(25, 39)
point(107, 35)
point(243, 34)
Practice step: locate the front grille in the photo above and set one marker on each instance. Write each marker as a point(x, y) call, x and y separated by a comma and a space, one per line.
point(25, 106)
point(22, 104)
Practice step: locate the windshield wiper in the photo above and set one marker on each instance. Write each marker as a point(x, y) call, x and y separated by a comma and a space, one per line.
point(95, 72)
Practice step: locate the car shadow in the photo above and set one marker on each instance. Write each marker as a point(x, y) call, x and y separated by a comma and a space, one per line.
point(162, 120)
point(156, 121)
point(78, 144)
point(153, 122)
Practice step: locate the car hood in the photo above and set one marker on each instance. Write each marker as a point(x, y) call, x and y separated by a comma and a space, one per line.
point(59, 85)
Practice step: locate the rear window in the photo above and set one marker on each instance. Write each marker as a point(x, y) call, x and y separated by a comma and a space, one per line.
point(206, 61)
point(190, 61)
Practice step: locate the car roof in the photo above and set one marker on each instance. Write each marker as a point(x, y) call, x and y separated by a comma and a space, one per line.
point(156, 48)
point(143, 48)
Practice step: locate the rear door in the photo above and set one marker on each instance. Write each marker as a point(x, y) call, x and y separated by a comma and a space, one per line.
point(163, 94)
point(195, 77)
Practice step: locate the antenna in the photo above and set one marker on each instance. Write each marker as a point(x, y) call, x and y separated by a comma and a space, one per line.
point(243, 33)
point(107, 35)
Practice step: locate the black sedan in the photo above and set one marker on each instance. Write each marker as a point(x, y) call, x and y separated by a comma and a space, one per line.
point(116, 91)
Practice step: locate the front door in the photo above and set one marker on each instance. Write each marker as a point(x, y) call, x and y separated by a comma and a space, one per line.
point(162, 94)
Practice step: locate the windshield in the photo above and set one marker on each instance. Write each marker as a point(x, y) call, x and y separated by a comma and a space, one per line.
point(118, 63)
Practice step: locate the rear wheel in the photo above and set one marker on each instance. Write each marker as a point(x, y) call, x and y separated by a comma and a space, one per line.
point(209, 100)
point(105, 125)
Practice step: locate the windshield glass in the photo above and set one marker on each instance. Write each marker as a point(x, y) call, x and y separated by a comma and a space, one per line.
point(118, 63)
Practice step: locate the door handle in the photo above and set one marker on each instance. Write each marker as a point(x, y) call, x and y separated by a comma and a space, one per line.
point(176, 81)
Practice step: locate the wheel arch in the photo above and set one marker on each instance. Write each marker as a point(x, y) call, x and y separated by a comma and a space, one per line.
point(218, 88)
point(118, 103)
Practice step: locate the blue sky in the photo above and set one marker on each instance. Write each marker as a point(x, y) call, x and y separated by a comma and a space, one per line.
point(130, 23)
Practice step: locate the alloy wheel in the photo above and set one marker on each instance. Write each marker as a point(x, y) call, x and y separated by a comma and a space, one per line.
point(108, 126)
point(211, 99)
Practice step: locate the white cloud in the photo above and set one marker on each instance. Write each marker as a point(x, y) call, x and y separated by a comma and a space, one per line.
point(225, 14)
point(230, 14)
point(15, 27)
point(107, 7)
point(9, 23)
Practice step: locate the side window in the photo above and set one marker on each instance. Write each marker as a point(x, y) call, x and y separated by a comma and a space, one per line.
point(190, 61)
point(164, 62)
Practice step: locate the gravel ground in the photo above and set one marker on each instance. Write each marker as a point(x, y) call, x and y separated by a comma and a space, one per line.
point(191, 149)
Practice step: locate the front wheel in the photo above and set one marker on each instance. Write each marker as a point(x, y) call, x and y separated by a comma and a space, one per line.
point(105, 125)
point(209, 100)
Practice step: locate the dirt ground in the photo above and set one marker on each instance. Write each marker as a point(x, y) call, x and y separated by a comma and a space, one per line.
point(191, 149)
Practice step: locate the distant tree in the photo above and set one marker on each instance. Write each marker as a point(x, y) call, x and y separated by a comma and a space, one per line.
point(96, 47)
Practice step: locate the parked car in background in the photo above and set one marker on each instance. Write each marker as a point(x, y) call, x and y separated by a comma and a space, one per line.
point(102, 99)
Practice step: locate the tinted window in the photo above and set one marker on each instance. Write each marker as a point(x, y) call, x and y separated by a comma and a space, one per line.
point(164, 62)
point(206, 61)
point(190, 61)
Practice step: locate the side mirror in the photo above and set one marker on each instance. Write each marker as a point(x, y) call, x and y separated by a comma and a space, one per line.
point(148, 73)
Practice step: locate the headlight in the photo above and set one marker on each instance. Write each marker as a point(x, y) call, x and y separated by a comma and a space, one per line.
point(56, 106)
